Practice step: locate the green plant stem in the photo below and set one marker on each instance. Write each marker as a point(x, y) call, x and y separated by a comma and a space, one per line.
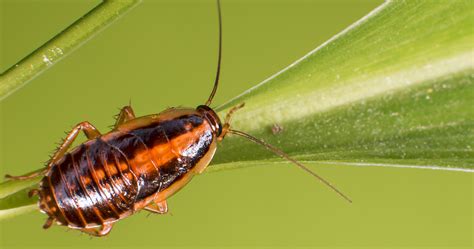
point(62, 44)
point(9, 187)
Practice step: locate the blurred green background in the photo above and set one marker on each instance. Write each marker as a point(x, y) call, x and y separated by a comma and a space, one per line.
point(163, 53)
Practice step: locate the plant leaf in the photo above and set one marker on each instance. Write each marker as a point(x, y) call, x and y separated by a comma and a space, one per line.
point(394, 89)
point(14, 198)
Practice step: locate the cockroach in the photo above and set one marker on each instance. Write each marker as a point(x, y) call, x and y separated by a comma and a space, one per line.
point(137, 165)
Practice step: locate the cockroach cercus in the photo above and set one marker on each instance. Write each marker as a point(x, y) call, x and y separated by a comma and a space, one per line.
point(137, 165)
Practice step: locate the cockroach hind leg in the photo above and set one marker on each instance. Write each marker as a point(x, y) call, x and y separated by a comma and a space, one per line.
point(98, 232)
point(89, 130)
point(158, 207)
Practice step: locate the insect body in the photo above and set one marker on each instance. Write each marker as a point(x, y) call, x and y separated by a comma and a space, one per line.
point(136, 166)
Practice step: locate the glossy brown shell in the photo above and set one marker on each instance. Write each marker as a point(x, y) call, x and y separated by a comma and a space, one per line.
point(143, 160)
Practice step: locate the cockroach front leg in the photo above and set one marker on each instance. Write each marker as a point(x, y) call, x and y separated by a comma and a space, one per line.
point(89, 130)
point(158, 207)
point(126, 114)
point(227, 119)
point(98, 232)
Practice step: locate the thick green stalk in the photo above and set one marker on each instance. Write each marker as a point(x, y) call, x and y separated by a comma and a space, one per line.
point(62, 44)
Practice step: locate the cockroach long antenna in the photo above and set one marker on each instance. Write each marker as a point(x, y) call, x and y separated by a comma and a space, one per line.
point(216, 82)
point(287, 157)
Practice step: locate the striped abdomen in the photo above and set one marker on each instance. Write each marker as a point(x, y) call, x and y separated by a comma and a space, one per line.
point(111, 177)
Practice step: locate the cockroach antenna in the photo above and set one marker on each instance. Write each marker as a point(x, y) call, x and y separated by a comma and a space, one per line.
point(282, 154)
point(250, 137)
point(219, 56)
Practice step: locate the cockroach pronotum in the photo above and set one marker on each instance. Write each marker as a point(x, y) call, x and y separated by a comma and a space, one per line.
point(137, 165)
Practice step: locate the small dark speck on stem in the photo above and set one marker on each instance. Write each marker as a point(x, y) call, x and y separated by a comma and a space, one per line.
point(277, 129)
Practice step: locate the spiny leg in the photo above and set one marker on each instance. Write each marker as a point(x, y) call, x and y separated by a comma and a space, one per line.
point(126, 114)
point(98, 232)
point(89, 130)
point(158, 207)
point(227, 119)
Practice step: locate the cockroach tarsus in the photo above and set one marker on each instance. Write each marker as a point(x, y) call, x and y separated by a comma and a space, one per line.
point(136, 166)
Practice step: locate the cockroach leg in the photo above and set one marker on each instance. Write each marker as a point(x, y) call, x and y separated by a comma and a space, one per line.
point(227, 119)
point(28, 176)
point(126, 114)
point(89, 130)
point(33, 192)
point(98, 232)
point(162, 207)
point(49, 222)
point(232, 111)
point(158, 207)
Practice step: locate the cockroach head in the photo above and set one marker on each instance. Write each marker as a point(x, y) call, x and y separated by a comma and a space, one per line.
point(211, 116)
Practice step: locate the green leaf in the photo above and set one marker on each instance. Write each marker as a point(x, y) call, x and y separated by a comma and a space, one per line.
point(395, 89)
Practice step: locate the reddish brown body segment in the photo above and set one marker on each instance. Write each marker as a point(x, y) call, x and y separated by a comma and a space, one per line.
point(140, 163)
